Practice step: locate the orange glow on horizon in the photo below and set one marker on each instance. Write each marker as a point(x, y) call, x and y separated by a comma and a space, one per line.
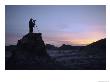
point(83, 41)
point(80, 39)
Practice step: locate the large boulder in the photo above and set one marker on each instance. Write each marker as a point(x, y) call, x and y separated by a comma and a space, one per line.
point(33, 42)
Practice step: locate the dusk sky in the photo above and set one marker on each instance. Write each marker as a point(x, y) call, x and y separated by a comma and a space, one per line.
point(66, 24)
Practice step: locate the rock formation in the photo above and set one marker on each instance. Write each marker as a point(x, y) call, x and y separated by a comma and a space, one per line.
point(30, 53)
point(33, 42)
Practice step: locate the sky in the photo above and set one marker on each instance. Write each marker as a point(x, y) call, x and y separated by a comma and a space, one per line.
point(59, 24)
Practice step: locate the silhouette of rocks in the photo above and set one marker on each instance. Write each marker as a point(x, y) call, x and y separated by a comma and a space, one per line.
point(33, 42)
point(96, 54)
point(70, 47)
point(51, 47)
point(30, 53)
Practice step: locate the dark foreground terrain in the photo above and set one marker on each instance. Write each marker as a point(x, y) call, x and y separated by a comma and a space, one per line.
point(66, 57)
point(90, 57)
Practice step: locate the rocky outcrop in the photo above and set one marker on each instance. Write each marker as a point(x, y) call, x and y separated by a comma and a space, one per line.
point(95, 54)
point(33, 42)
point(30, 53)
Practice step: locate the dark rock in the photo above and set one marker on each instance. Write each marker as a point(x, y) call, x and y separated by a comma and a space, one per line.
point(96, 54)
point(51, 47)
point(33, 42)
point(30, 53)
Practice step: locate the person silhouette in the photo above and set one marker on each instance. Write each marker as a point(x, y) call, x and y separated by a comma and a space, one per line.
point(31, 25)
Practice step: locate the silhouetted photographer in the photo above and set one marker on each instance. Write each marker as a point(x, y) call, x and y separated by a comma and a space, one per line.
point(31, 25)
